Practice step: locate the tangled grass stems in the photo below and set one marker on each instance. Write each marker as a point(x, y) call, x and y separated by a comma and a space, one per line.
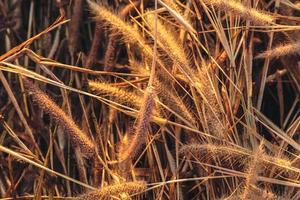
point(208, 87)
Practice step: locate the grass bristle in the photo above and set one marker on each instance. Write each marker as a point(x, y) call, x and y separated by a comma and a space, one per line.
point(171, 45)
point(213, 112)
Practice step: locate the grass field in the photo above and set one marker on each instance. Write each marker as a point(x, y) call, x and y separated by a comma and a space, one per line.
point(150, 99)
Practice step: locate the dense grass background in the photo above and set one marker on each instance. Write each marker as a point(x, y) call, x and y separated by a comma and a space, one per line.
point(112, 100)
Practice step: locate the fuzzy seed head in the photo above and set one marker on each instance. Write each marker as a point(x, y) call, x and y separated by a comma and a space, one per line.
point(254, 168)
point(117, 93)
point(115, 190)
point(282, 50)
point(239, 9)
point(141, 126)
point(171, 45)
point(129, 33)
point(78, 137)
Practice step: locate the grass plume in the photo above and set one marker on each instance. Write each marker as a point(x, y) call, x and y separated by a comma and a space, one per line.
point(78, 137)
point(282, 50)
point(168, 96)
point(115, 191)
point(227, 153)
point(212, 109)
point(140, 127)
point(173, 47)
point(129, 33)
point(254, 168)
point(239, 9)
point(113, 40)
point(118, 94)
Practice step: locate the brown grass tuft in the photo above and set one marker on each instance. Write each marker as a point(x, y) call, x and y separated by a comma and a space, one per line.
point(92, 57)
point(74, 30)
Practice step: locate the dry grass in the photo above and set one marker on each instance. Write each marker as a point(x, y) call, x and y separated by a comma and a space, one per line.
point(163, 99)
